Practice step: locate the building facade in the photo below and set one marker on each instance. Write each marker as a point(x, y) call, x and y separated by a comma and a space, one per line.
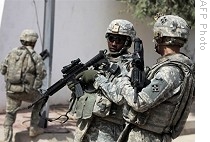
point(79, 32)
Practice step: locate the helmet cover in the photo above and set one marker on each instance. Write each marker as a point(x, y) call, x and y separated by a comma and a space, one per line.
point(28, 35)
point(121, 27)
point(171, 26)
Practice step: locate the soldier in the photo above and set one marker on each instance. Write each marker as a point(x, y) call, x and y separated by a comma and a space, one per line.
point(24, 71)
point(162, 107)
point(99, 119)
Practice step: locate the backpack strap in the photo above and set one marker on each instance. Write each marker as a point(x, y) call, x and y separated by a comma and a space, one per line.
point(30, 54)
point(32, 59)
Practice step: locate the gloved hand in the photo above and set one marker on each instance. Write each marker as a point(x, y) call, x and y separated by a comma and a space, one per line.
point(87, 76)
point(71, 85)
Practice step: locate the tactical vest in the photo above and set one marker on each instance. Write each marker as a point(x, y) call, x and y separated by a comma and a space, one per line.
point(99, 104)
point(114, 111)
point(170, 116)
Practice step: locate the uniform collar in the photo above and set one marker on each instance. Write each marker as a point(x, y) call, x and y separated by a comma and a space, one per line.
point(168, 57)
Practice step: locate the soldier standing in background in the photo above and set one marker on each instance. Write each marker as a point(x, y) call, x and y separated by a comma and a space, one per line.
point(24, 71)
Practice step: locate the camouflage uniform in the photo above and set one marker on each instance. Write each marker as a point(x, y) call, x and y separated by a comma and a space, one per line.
point(154, 114)
point(27, 90)
point(108, 128)
point(105, 121)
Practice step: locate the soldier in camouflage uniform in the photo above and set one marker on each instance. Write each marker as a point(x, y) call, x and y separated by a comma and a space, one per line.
point(23, 85)
point(164, 104)
point(99, 118)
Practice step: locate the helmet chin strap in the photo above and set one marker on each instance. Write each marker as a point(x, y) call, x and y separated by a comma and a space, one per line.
point(117, 54)
point(157, 49)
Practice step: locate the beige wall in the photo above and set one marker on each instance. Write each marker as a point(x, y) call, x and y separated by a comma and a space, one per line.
point(80, 27)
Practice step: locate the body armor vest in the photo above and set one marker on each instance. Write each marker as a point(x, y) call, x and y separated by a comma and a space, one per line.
point(122, 66)
point(169, 116)
point(99, 104)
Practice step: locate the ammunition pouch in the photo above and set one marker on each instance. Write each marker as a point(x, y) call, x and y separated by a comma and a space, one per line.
point(15, 87)
point(134, 117)
point(84, 105)
point(102, 106)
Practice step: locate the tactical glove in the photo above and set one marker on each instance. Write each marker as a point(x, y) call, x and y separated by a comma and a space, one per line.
point(71, 85)
point(87, 76)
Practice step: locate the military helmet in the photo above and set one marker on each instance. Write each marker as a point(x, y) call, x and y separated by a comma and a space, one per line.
point(28, 35)
point(121, 27)
point(172, 28)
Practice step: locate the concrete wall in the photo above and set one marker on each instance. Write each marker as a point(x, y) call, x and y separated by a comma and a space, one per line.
point(79, 31)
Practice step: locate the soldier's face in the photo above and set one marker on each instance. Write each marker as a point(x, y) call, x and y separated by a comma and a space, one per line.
point(115, 42)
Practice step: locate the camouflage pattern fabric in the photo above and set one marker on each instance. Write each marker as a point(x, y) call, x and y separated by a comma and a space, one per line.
point(103, 131)
point(115, 86)
point(29, 35)
point(14, 101)
point(164, 84)
point(25, 91)
point(81, 129)
point(108, 126)
point(138, 135)
point(33, 74)
point(121, 27)
point(171, 26)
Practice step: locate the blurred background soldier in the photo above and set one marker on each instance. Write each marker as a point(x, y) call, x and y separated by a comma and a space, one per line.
point(99, 118)
point(24, 71)
point(163, 106)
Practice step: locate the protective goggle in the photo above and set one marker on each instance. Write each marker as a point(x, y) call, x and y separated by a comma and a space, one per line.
point(119, 39)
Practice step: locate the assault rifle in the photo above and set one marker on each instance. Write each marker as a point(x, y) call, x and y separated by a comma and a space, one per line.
point(69, 73)
point(138, 74)
point(138, 80)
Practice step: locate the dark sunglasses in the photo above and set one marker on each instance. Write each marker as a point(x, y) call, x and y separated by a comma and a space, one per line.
point(117, 39)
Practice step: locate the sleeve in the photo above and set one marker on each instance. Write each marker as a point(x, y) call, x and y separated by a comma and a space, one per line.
point(4, 65)
point(112, 90)
point(40, 72)
point(112, 87)
point(166, 83)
